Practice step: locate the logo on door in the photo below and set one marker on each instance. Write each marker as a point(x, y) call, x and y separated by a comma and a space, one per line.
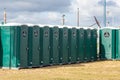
point(36, 33)
point(89, 35)
point(65, 34)
point(106, 34)
point(81, 34)
point(74, 34)
point(46, 33)
point(24, 33)
point(56, 34)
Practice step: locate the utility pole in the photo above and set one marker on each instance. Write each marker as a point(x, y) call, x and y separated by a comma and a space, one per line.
point(108, 22)
point(63, 19)
point(78, 17)
point(104, 13)
point(5, 16)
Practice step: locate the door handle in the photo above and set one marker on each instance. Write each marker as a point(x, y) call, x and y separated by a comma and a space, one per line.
point(58, 47)
point(49, 47)
point(68, 47)
point(39, 48)
point(27, 49)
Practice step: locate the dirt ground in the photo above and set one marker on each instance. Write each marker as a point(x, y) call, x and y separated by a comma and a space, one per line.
point(102, 70)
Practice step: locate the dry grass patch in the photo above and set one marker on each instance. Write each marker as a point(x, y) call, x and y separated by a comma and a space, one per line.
point(103, 70)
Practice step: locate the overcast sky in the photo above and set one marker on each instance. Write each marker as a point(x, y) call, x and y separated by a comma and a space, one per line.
point(51, 11)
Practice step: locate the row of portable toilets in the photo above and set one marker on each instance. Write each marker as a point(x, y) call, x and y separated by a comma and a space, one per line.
point(26, 46)
point(35, 46)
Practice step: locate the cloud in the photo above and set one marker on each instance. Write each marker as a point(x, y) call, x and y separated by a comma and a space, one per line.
point(35, 5)
point(51, 11)
point(53, 18)
point(41, 11)
point(108, 3)
point(88, 9)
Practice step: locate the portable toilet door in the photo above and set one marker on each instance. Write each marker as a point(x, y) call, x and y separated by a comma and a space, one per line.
point(54, 43)
point(94, 44)
point(63, 51)
point(24, 46)
point(34, 46)
point(107, 43)
point(35, 49)
point(73, 45)
point(87, 40)
point(45, 46)
point(81, 45)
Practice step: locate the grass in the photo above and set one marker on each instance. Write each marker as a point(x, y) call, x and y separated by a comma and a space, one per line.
point(103, 70)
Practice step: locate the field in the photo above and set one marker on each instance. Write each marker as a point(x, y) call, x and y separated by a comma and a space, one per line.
point(102, 70)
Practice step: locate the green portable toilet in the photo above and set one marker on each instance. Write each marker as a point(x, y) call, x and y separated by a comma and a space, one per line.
point(117, 56)
point(54, 43)
point(63, 51)
point(81, 45)
point(10, 37)
point(15, 46)
point(34, 47)
point(87, 39)
point(24, 46)
point(107, 43)
point(45, 46)
point(94, 44)
point(72, 45)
